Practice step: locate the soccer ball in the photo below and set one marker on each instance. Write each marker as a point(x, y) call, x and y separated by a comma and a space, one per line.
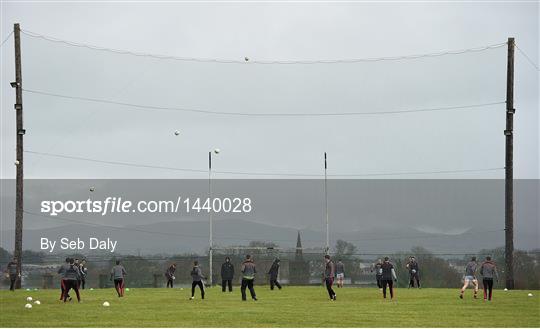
point(177, 132)
point(127, 289)
point(530, 295)
point(91, 288)
point(216, 151)
point(181, 288)
point(28, 299)
point(505, 289)
point(246, 59)
point(106, 304)
point(92, 189)
point(174, 278)
point(28, 306)
point(414, 271)
point(37, 302)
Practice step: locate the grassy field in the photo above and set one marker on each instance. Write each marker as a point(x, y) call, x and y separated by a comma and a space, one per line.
point(290, 307)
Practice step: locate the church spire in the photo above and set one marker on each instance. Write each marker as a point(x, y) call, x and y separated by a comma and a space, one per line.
point(298, 255)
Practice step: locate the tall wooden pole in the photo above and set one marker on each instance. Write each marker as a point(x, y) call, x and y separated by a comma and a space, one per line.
point(509, 169)
point(19, 156)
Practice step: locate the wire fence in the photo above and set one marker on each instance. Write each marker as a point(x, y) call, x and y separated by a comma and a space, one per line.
point(297, 267)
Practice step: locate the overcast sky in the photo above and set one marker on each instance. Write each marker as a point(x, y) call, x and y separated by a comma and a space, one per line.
point(431, 141)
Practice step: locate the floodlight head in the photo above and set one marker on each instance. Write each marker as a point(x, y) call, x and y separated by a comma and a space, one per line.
point(246, 59)
point(18, 106)
point(216, 151)
point(13, 84)
point(21, 131)
point(177, 132)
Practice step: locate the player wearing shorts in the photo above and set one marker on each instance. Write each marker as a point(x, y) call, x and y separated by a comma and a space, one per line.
point(118, 272)
point(488, 271)
point(388, 274)
point(340, 273)
point(470, 277)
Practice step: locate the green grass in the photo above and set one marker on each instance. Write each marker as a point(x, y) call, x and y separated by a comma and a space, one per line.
point(290, 307)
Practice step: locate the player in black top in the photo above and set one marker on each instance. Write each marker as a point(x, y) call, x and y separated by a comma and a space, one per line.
point(388, 273)
point(412, 266)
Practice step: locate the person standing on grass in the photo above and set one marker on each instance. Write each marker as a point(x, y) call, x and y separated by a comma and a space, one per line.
point(197, 276)
point(84, 272)
point(61, 271)
point(412, 266)
point(488, 271)
point(248, 277)
point(71, 277)
point(169, 275)
point(78, 265)
point(340, 273)
point(470, 277)
point(227, 274)
point(377, 267)
point(388, 277)
point(118, 273)
point(329, 274)
point(273, 272)
point(13, 273)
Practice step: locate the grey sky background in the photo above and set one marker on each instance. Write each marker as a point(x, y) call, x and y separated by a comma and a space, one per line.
point(450, 140)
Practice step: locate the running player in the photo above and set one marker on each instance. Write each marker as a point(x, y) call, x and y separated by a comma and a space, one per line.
point(412, 266)
point(340, 273)
point(273, 272)
point(488, 271)
point(62, 271)
point(329, 274)
point(71, 277)
point(470, 277)
point(118, 272)
point(197, 276)
point(248, 277)
point(388, 274)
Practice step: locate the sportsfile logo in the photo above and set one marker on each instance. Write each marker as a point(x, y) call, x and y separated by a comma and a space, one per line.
point(118, 205)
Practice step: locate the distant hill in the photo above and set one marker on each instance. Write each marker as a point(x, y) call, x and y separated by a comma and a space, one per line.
point(192, 236)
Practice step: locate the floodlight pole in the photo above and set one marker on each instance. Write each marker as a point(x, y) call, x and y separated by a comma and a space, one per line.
point(19, 154)
point(509, 168)
point(211, 242)
point(327, 247)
